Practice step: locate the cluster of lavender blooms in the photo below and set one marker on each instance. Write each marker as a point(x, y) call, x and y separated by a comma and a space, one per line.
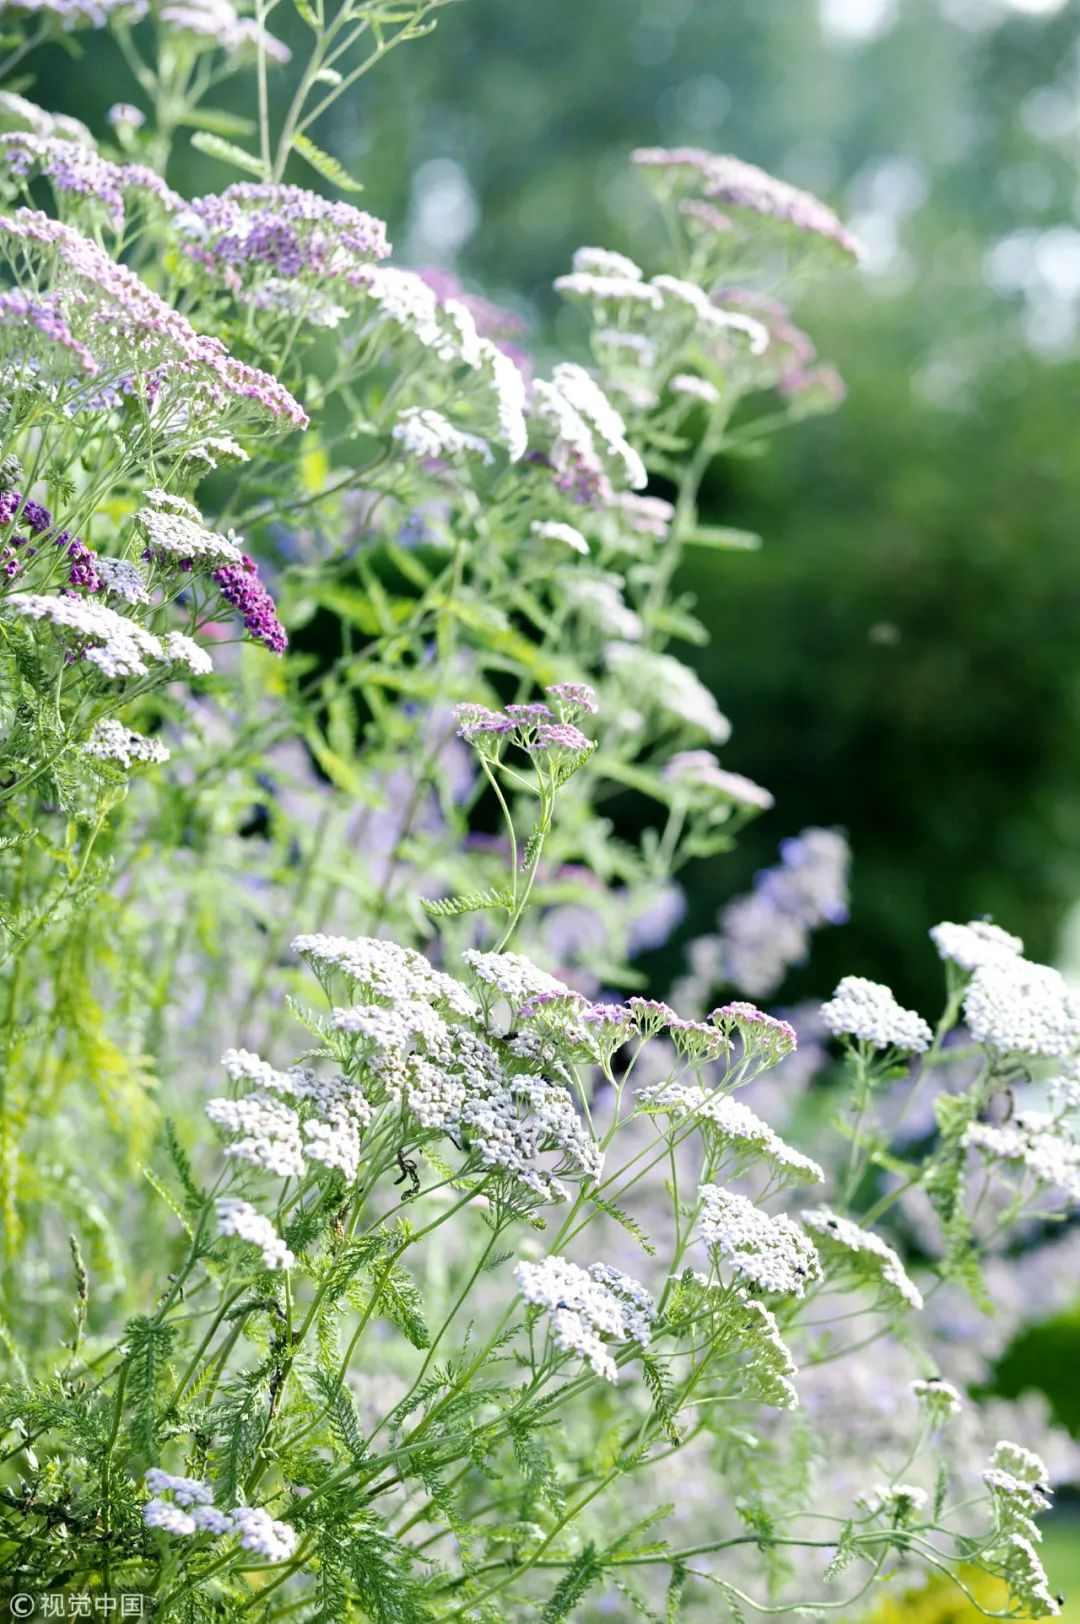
point(184, 1506)
point(768, 931)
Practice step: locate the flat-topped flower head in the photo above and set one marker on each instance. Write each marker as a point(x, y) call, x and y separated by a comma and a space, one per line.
point(110, 740)
point(240, 1219)
point(174, 540)
point(652, 1015)
point(764, 1037)
point(858, 1254)
point(740, 194)
point(79, 175)
point(588, 1308)
point(556, 530)
point(662, 683)
point(765, 1252)
point(1041, 1146)
point(117, 646)
point(144, 346)
point(939, 1400)
point(868, 1010)
point(606, 262)
point(512, 975)
point(253, 232)
point(1016, 1007)
point(733, 1132)
point(429, 436)
point(976, 943)
point(698, 774)
point(573, 700)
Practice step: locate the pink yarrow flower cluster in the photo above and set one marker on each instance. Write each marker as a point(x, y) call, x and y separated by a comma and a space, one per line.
point(129, 330)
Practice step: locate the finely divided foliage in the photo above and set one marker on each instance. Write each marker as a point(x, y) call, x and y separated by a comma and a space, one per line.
point(423, 1265)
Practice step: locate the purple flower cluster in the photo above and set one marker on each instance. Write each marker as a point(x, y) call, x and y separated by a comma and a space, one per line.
point(573, 699)
point(39, 521)
point(765, 932)
point(76, 170)
point(150, 345)
point(94, 13)
point(533, 727)
point(45, 313)
point(707, 178)
point(286, 231)
point(242, 589)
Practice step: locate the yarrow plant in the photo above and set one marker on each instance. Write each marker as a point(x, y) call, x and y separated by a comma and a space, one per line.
point(420, 1257)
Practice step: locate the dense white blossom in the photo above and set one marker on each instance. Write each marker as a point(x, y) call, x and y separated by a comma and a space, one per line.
point(938, 1398)
point(555, 530)
point(733, 1127)
point(606, 262)
point(426, 433)
point(110, 740)
point(586, 1308)
point(975, 944)
point(121, 578)
point(239, 1218)
point(1016, 1007)
point(1040, 1143)
point(119, 647)
point(177, 537)
point(268, 1133)
point(860, 1252)
point(869, 1011)
point(515, 976)
point(770, 1253)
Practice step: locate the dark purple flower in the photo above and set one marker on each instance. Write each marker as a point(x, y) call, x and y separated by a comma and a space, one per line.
point(241, 588)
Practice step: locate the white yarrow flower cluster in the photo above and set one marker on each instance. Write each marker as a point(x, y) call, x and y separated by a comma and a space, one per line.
point(734, 1127)
point(177, 537)
point(110, 740)
point(555, 530)
point(122, 579)
point(1041, 1144)
point(662, 681)
point(864, 1255)
point(119, 647)
point(512, 974)
point(939, 1399)
point(975, 944)
point(427, 434)
point(769, 1253)
point(586, 1308)
point(1016, 1007)
point(239, 1218)
point(869, 1011)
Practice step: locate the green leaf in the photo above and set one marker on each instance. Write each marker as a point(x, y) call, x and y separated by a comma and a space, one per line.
point(215, 147)
point(404, 1305)
point(454, 907)
point(579, 1578)
point(631, 1225)
point(722, 537)
point(215, 122)
point(323, 164)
